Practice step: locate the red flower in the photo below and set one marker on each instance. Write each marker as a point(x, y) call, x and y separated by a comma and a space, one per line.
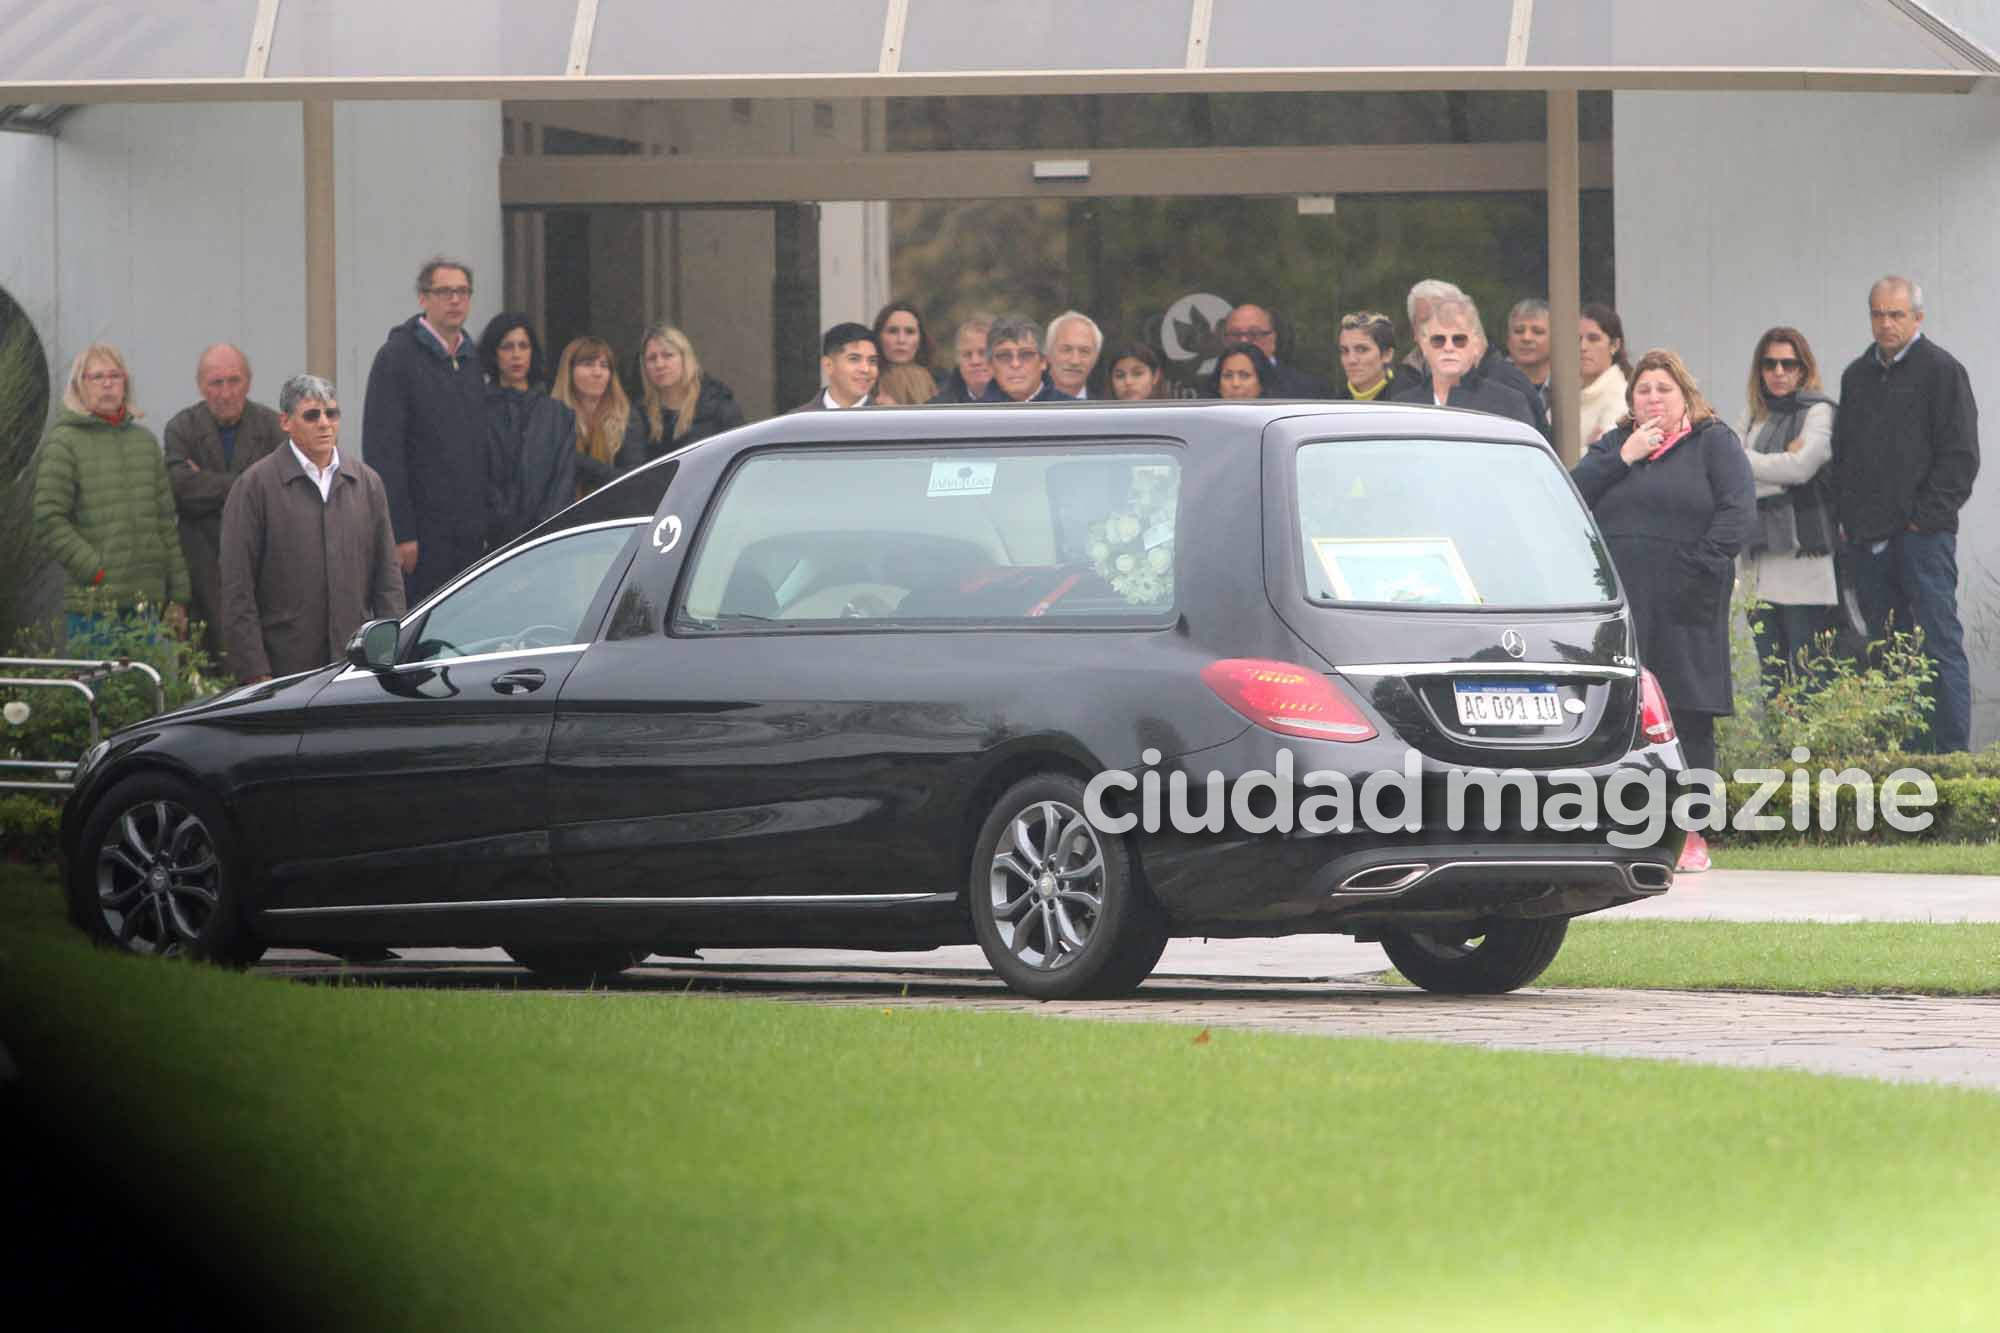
point(97, 578)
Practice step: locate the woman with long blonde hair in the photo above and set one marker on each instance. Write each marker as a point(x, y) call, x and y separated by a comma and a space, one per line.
point(587, 384)
point(679, 403)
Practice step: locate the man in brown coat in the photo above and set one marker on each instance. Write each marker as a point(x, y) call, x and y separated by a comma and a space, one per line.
point(208, 447)
point(307, 550)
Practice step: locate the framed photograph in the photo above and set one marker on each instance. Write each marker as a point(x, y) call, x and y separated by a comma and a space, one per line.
point(1396, 569)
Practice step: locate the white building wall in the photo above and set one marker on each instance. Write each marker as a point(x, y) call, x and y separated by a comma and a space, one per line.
point(164, 228)
point(1735, 212)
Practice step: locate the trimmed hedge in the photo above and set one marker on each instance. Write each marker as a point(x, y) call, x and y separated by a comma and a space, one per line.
point(1966, 810)
point(28, 827)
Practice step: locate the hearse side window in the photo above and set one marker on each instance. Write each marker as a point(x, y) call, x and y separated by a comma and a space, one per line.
point(1447, 523)
point(1046, 534)
point(535, 599)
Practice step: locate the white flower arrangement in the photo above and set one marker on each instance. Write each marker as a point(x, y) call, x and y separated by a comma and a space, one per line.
point(1134, 548)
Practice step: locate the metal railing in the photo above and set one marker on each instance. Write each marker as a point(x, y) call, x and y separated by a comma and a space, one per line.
point(86, 672)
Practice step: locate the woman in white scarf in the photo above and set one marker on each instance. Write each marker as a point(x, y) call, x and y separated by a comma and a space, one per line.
point(1605, 370)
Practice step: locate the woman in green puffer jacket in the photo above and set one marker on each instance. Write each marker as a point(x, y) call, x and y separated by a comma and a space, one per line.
point(103, 507)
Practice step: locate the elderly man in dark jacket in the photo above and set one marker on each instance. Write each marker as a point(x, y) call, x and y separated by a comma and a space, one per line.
point(208, 446)
point(308, 554)
point(425, 415)
point(1453, 374)
point(1905, 453)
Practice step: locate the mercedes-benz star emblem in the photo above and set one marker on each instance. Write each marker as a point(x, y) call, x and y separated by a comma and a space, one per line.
point(1515, 645)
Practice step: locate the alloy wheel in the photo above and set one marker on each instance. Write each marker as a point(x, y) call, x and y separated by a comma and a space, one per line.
point(159, 878)
point(1047, 885)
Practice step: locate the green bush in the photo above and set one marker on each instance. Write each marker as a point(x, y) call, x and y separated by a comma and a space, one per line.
point(1966, 810)
point(1833, 707)
point(28, 827)
point(58, 725)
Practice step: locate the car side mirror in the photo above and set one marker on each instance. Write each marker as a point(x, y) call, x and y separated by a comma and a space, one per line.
point(373, 647)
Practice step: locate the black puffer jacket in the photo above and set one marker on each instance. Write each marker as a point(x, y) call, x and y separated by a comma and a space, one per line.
point(533, 470)
point(715, 411)
point(1475, 391)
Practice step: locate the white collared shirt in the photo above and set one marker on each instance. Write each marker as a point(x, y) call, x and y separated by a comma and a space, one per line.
point(322, 478)
point(450, 349)
point(826, 400)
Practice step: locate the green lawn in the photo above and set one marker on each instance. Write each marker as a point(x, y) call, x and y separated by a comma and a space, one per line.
point(1906, 858)
point(430, 1159)
point(1892, 957)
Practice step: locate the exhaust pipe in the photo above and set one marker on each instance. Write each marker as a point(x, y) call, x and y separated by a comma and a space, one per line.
point(1384, 879)
point(1650, 876)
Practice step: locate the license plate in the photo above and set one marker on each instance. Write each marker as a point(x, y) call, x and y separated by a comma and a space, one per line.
point(1508, 705)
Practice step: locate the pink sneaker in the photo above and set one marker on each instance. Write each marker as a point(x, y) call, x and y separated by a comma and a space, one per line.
point(1694, 856)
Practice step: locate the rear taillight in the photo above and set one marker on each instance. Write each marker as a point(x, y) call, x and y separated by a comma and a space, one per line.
point(1654, 718)
point(1287, 698)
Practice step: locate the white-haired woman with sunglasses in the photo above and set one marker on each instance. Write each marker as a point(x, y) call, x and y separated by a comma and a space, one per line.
point(1453, 341)
point(1787, 564)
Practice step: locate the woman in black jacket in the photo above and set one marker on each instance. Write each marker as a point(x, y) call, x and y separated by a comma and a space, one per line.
point(532, 436)
point(1454, 344)
point(1673, 495)
point(1242, 371)
point(680, 404)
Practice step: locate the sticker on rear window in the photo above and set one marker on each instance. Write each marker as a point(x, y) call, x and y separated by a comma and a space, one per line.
point(953, 477)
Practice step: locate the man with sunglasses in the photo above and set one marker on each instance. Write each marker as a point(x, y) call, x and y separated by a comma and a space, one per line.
point(1014, 350)
point(1452, 345)
point(308, 553)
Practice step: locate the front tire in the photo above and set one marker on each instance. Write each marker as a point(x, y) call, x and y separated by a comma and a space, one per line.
point(1057, 905)
point(158, 873)
point(1477, 960)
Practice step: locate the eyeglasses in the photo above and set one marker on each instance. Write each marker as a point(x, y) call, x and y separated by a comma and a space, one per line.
point(1454, 339)
point(1015, 356)
point(1244, 335)
point(1782, 363)
point(104, 377)
point(312, 414)
point(450, 293)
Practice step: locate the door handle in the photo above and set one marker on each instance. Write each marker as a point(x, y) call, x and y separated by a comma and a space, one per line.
point(525, 681)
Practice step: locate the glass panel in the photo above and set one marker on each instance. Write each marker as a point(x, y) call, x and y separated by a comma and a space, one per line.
point(952, 536)
point(739, 37)
point(115, 39)
point(1838, 34)
point(1165, 272)
point(1357, 34)
point(532, 600)
point(1440, 523)
point(742, 283)
point(1044, 34)
point(362, 38)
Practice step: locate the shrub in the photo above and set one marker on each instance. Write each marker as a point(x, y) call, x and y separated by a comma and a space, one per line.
point(58, 725)
point(28, 827)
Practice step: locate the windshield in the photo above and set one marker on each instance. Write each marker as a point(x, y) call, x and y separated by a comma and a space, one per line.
point(1446, 523)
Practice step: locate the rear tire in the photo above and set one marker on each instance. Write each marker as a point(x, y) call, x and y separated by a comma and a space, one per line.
point(1490, 960)
point(1057, 905)
point(576, 965)
point(157, 873)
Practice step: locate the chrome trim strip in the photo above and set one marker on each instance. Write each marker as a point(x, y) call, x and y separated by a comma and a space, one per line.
point(773, 900)
point(359, 673)
point(1580, 669)
point(1622, 869)
point(1413, 871)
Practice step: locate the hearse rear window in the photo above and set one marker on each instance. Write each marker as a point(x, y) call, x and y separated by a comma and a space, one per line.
point(1446, 523)
point(823, 539)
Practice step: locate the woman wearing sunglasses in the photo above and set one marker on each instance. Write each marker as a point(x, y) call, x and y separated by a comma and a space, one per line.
point(1788, 561)
point(1453, 341)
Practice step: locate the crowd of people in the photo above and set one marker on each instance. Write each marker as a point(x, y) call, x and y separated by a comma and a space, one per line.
point(473, 442)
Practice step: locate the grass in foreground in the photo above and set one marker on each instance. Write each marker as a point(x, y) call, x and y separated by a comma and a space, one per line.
point(1903, 858)
point(482, 1160)
point(1867, 957)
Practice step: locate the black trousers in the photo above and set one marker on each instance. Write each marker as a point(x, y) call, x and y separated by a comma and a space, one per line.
point(1697, 733)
